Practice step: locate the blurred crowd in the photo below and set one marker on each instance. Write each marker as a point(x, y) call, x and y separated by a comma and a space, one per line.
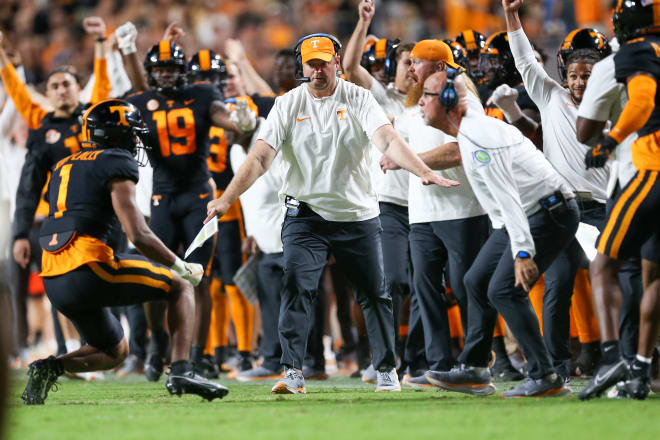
point(49, 33)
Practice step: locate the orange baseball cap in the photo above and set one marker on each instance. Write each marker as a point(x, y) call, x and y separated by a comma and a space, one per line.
point(317, 48)
point(434, 50)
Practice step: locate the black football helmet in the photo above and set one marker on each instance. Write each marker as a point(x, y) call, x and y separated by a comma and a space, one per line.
point(115, 123)
point(207, 65)
point(497, 62)
point(636, 17)
point(472, 41)
point(166, 53)
point(379, 52)
point(459, 53)
point(584, 38)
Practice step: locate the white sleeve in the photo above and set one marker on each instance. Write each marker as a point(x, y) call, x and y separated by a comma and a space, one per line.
point(537, 82)
point(602, 94)
point(9, 115)
point(274, 129)
point(379, 92)
point(237, 156)
point(118, 76)
point(370, 114)
point(498, 177)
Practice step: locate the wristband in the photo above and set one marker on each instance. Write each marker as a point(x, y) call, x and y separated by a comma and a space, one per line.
point(178, 266)
point(522, 254)
point(100, 39)
point(128, 49)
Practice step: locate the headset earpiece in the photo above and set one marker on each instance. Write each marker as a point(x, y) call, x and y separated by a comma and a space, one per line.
point(448, 97)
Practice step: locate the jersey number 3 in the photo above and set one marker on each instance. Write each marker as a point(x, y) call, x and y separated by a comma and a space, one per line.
point(177, 123)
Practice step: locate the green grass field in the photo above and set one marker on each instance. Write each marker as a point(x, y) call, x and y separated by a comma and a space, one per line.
point(337, 409)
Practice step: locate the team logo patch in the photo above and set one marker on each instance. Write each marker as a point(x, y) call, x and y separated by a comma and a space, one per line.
point(152, 105)
point(53, 136)
point(341, 114)
point(481, 157)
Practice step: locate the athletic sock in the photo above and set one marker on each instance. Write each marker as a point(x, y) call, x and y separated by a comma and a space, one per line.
point(180, 367)
point(611, 353)
point(196, 354)
point(640, 366)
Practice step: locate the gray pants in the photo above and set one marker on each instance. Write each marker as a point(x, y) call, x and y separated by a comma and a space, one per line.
point(269, 283)
point(308, 239)
point(433, 245)
point(559, 283)
point(490, 286)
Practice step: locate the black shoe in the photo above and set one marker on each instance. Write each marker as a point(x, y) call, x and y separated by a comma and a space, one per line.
point(153, 368)
point(43, 375)
point(244, 362)
point(503, 371)
point(463, 379)
point(207, 368)
point(606, 376)
point(192, 383)
point(635, 388)
point(587, 362)
point(551, 385)
point(311, 373)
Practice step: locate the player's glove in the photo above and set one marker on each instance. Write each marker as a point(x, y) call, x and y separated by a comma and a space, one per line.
point(242, 116)
point(505, 98)
point(192, 272)
point(597, 156)
point(126, 36)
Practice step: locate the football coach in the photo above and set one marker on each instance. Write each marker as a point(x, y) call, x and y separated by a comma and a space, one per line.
point(323, 130)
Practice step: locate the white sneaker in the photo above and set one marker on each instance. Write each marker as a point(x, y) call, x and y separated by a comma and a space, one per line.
point(369, 374)
point(293, 382)
point(388, 381)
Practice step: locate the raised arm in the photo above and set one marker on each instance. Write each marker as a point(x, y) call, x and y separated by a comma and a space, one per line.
point(254, 83)
point(32, 112)
point(355, 73)
point(95, 26)
point(126, 35)
point(256, 164)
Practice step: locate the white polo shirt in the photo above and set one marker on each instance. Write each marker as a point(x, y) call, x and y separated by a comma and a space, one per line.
point(392, 186)
point(558, 117)
point(432, 203)
point(326, 151)
point(263, 212)
point(508, 174)
point(604, 100)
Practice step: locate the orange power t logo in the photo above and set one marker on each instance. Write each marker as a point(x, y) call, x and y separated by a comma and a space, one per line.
point(122, 112)
point(341, 114)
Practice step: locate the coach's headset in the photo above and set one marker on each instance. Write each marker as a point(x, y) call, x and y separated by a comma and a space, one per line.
point(448, 97)
point(299, 68)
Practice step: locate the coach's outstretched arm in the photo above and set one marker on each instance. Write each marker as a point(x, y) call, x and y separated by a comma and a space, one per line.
point(256, 164)
point(391, 144)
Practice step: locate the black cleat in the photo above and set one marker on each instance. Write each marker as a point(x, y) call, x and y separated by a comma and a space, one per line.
point(635, 388)
point(502, 370)
point(192, 383)
point(43, 375)
point(207, 368)
point(153, 368)
point(606, 376)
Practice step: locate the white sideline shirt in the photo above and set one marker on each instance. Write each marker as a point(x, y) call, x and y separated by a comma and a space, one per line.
point(326, 149)
point(508, 174)
point(604, 100)
point(263, 212)
point(558, 117)
point(392, 186)
point(432, 203)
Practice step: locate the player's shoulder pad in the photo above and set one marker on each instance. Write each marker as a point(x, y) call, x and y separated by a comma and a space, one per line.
point(117, 162)
point(638, 55)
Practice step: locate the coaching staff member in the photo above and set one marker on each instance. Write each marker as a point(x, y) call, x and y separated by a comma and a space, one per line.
point(534, 216)
point(323, 129)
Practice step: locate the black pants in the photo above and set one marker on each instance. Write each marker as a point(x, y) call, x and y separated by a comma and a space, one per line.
point(269, 279)
point(415, 350)
point(434, 245)
point(490, 286)
point(308, 240)
point(396, 255)
point(559, 283)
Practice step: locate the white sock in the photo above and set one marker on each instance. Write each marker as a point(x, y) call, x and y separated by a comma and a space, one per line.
point(644, 359)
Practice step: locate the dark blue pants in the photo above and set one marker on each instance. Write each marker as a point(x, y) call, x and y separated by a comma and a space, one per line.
point(490, 287)
point(455, 243)
point(559, 283)
point(308, 240)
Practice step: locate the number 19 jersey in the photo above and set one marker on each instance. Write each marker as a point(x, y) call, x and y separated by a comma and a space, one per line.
point(178, 134)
